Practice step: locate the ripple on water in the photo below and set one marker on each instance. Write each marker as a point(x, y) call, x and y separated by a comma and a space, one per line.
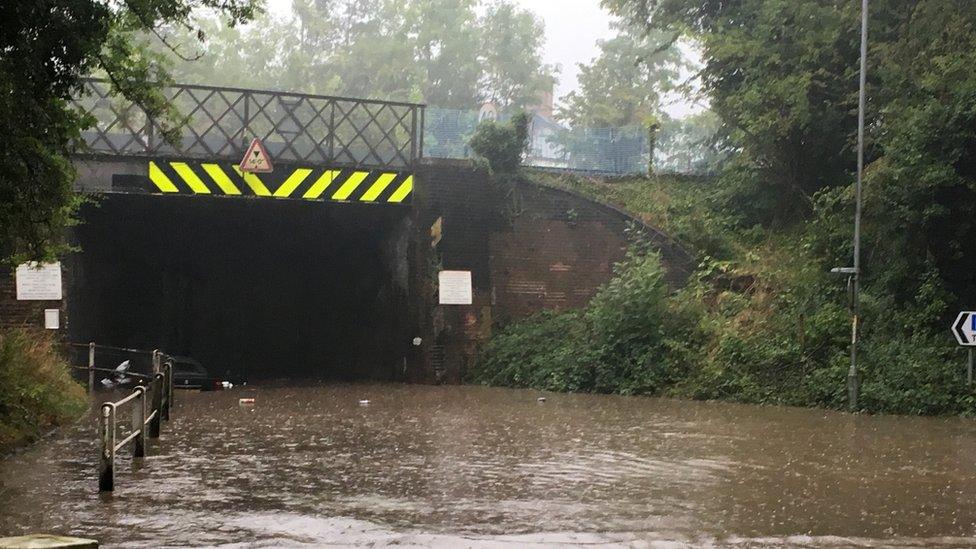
point(445, 466)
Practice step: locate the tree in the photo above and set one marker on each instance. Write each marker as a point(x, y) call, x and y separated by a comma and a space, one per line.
point(446, 41)
point(46, 46)
point(415, 50)
point(623, 85)
point(690, 145)
point(511, 52)
point(782, 76)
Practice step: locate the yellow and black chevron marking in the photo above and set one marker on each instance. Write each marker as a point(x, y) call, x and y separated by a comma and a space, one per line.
point(339, 185)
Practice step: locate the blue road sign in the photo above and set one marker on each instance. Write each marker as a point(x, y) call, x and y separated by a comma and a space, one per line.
point(964, 328)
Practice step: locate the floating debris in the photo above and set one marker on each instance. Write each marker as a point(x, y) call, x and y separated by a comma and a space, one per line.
point(540, 399)
point(364, 402)
point(245, 401)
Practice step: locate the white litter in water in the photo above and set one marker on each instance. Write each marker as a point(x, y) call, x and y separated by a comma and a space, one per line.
point(541, 399)
point(364, 402)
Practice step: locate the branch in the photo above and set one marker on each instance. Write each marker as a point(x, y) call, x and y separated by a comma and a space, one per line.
point(151, 27)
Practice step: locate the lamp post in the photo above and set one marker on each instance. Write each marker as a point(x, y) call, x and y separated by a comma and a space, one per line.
point(853, 377)
point(854, 273)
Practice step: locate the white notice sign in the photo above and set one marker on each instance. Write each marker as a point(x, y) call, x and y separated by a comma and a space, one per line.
point(39, 281)
point(52, 319)
point(455, 287)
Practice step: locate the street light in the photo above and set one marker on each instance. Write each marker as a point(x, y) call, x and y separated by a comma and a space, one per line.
point(853, 378)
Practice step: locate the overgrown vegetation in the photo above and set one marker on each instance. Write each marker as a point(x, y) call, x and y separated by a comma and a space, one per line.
point(770, 325)
point(502, 145)
point(37, 392)
point(761, 321)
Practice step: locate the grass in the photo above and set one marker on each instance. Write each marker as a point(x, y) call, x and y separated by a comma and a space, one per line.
point(37, 392)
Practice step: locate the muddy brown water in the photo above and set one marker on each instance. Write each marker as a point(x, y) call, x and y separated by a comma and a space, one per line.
point(480, 467)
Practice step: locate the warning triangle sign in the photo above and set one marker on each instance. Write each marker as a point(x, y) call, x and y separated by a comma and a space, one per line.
point(256, 159)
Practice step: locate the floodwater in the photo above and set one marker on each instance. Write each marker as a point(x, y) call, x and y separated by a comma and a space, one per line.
point(478, 467)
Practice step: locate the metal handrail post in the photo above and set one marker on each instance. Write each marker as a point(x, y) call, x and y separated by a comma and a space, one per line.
point(155, 361)
point(106, 459)
point(91, 366)
point(167, 368)
point(157, 397)
point(139, 423)
point(169, 388)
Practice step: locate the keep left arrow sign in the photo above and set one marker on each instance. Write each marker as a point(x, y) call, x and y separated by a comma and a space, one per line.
point(964, 328)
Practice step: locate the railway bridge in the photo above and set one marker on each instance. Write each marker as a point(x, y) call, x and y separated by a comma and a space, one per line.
point(355, 258)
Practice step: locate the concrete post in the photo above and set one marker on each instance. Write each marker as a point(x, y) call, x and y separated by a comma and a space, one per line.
point(106, 458)
point(157, 403)
point(139, 423)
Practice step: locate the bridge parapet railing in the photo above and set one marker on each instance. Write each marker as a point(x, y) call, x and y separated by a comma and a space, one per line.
point(294, 127)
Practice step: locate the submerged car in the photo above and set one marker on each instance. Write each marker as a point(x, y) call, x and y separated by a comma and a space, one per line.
point(188, 373)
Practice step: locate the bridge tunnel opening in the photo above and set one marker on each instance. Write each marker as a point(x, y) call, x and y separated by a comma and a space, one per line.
point(253, 289)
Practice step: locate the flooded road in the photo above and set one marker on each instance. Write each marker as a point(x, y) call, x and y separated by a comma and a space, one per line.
point(478, 467)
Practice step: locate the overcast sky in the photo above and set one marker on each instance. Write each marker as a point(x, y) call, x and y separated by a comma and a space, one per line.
point(573, 28)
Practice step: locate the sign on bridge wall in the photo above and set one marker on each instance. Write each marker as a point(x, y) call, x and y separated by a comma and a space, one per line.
point(333, 185)
point(39, 281)
point(454, 288)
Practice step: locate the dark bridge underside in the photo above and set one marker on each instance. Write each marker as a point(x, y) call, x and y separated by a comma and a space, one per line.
point(254, 289)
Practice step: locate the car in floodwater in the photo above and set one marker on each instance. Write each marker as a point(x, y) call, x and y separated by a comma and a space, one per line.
point(188, 373)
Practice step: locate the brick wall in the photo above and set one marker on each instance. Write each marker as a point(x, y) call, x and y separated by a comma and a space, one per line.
point(14, 313)
point(530, 249)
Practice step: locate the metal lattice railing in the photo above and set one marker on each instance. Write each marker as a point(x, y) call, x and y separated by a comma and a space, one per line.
point(301, 128)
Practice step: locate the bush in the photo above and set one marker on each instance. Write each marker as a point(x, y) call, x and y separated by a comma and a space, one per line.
point(502, 145)
point(632, 339)
point(36, 388)
point(760, 322)
point(547, 351)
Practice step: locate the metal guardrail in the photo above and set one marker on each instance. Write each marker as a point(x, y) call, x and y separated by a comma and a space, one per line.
point(150, 406)
point(294, 127)
point(91, 368)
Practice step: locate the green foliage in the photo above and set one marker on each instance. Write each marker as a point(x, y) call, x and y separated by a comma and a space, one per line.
point(623, 85)
point(632, 339)
point(781, 74)
point(45, 47)
point(761, 320)
point(36, 388)
point(547, 351)
point(785, 89)
point(511, 51)
point(502, 145)
point(694, 144)
point(447, 53)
